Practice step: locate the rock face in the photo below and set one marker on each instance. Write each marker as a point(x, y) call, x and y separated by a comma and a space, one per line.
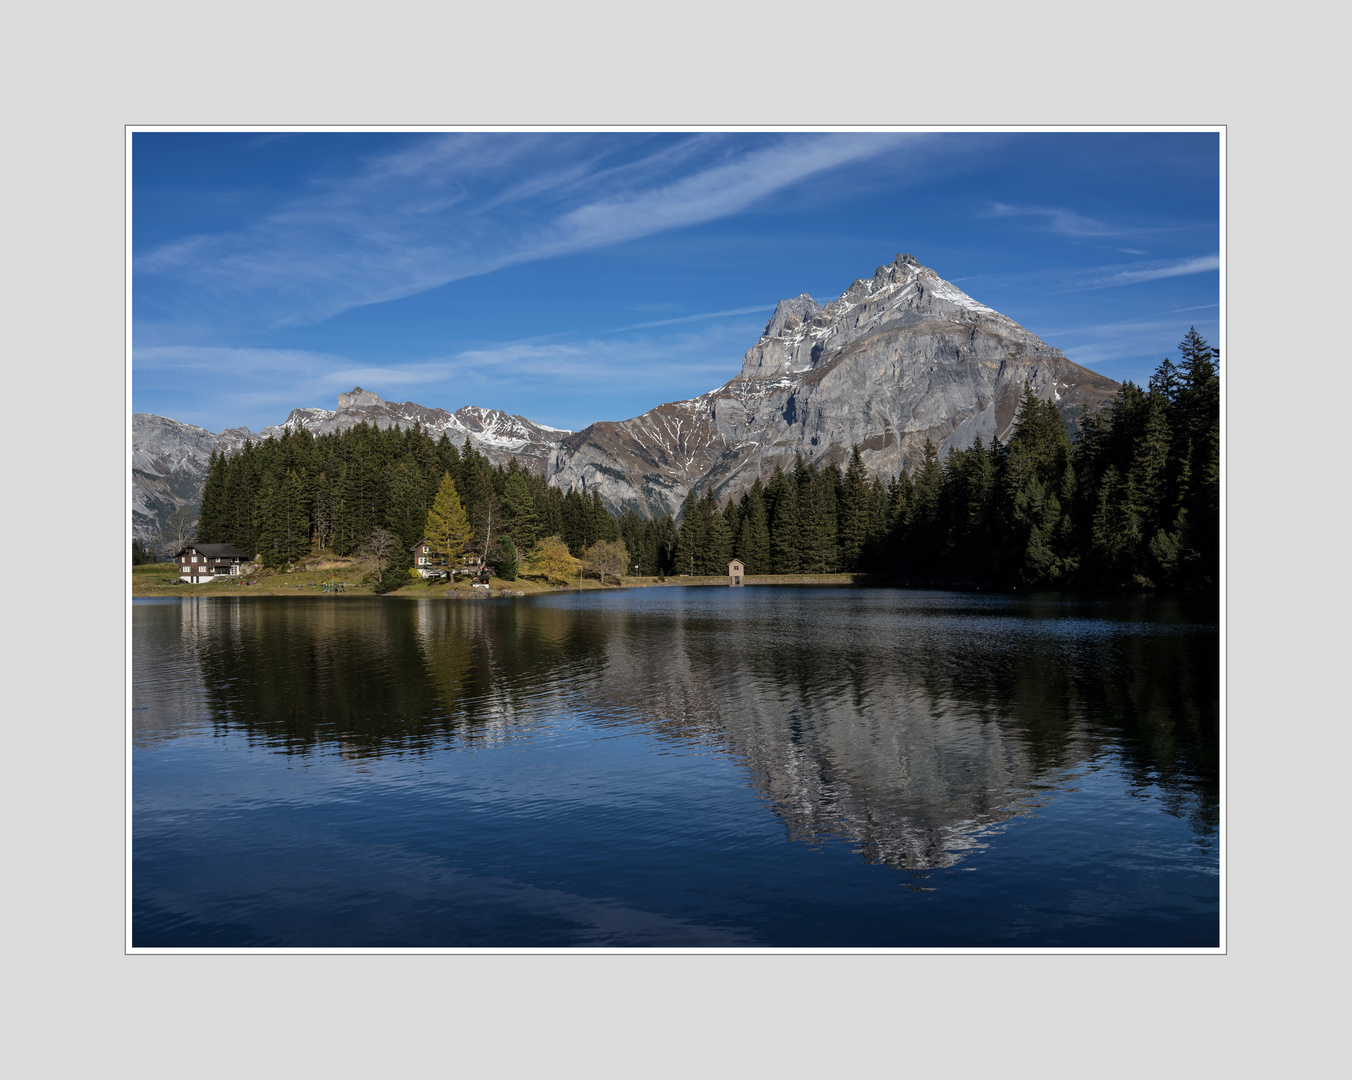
point(168, 467)
point(170, 460)
point(898, 358)
point(495, 434)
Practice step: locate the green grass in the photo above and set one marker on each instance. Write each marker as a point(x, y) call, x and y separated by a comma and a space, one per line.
point(161, 579)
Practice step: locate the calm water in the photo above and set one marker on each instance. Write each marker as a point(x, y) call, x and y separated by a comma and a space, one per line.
point(697, 767)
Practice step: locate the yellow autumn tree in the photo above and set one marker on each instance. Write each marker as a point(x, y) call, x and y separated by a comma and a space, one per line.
point(550, 560)
point(447, 529)
point(607, 558)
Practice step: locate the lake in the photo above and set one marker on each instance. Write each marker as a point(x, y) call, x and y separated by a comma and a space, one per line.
point(676, 767)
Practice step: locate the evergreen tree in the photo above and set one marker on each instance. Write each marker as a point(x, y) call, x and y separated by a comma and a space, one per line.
point(1165, 381)
point(447, 528)
point(548, 508)
point(785, 528)
point(819, 553)
point(1134, 497)
point(666, 540)
point(508, 562)
point(924, 531)
point(407, 508)
point(283, 517)
point(718, 542)
point(475, 486)
point(600, 525)
point(692, 545)
point(576, 514)
point(212, 520)
point(519, 520)
point(855, 512)
point(880, 521)
point(753, 538)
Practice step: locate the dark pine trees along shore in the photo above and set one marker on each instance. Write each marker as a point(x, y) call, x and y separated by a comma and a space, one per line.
point(1132, 499)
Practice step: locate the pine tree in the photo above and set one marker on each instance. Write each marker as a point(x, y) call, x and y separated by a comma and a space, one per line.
point(785, 529)
point(717, 549)
point(818, 518)
point(475, 486)
point(693, 542)
point(924, 530)
point(508, 563)
point(212, 526)
point(447, 528)
point(576, 514)
point(407, 510)
point(600, 526)
point(1165, 381)
point(753, 538)
point(855, 512)
point(519, 520)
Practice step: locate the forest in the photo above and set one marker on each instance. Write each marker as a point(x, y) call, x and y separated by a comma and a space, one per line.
point(1130, 497)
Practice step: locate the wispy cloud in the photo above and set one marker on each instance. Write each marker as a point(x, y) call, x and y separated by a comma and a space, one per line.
point(759, 308)
point(1058, 220)
point(1199, 265)
point(457, 206)
point(1129, 348)
point(548, 375)
point(1149, 321)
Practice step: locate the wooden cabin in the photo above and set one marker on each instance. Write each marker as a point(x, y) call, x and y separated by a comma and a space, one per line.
point(205, 562)
point(736, 571)
point(426, 560)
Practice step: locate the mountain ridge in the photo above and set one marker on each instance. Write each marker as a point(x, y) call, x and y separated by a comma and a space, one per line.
point(897, 359)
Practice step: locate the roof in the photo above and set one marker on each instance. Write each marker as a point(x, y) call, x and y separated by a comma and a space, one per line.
point(216, 551)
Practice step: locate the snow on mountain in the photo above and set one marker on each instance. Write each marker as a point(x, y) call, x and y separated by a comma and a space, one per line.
point(169, 459)
point(896, 359)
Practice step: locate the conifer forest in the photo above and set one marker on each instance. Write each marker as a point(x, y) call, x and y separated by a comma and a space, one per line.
point(1130, 496)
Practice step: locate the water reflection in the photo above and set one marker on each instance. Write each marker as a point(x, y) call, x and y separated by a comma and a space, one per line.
point(909, 723)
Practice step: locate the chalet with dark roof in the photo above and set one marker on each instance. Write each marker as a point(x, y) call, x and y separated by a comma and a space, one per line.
point(426, 560)
point(206, 562)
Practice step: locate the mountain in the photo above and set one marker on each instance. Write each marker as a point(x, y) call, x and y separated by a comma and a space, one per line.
point(493, 433)
point(170, 460)
point(898, 358)
point(168, 466)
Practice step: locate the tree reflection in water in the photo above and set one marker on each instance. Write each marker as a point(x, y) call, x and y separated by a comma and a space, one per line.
point(908, 722)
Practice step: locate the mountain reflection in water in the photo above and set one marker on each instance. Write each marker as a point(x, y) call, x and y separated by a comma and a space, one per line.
point(911, 724)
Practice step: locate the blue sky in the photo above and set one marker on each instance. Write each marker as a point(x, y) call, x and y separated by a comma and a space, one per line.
point(575, 277)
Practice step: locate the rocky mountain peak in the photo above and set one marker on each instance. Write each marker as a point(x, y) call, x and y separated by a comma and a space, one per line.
point(357, 398)
point(791, 314)
point(897, 359)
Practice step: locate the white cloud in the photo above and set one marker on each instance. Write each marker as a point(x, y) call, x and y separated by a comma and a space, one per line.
point(1059, 220)
point(563, 383)
point(457, 206)
point(1199, 265)
point(714, 192)
point(758, 309)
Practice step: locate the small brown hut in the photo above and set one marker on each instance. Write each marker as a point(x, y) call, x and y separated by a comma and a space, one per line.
point(736, 571)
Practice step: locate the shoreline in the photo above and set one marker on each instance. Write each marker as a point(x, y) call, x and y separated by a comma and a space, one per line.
point(151, 581)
